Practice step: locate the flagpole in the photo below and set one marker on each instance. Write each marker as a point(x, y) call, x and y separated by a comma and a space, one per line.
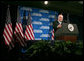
point(10, 47)
point(12, 35)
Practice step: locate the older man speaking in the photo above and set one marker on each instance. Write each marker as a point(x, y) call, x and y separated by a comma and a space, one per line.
point(58, 23)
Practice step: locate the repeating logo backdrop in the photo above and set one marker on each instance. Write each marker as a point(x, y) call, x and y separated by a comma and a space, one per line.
point(42, 21)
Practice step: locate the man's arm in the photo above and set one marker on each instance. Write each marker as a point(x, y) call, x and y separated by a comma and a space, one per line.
point(59, 26)
point(55, 24)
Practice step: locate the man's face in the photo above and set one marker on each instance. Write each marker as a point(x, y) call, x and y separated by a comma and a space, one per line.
point(60, 18)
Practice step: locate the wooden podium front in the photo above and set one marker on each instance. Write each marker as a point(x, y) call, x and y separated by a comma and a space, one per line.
point(67, 38)
point(65, 34)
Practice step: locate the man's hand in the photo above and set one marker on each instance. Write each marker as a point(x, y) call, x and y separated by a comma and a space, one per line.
point(59, 26)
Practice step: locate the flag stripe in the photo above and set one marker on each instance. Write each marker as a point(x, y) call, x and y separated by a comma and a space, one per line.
point(11, 31)
point(26, 35)
point(8, 37)
point(28, 32)
point(31, 31)
point(10, 27)
point(18, 31)
point(8, 31)
point(6, 41)
point(20, 28)
point(18, 39)
point(20, 36)
point(53, 34)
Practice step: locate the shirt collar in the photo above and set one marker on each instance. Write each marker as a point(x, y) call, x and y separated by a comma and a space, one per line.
point(60, 22)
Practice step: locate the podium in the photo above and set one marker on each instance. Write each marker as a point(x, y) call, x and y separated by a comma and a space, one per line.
point(68, 32)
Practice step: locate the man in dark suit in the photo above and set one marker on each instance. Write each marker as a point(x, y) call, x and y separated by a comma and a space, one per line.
point(58, 23)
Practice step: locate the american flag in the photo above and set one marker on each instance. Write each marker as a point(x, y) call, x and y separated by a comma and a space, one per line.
point(29, 34)
point(52, 34)
point(19, 36)
point(53, 29)
point(8, 32)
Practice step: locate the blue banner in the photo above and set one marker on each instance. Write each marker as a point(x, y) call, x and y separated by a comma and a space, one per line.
point(42, 21)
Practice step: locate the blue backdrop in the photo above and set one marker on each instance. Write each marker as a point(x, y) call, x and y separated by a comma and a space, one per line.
point(41, 21)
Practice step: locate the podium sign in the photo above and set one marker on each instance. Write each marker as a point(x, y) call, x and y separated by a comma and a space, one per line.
point(67, 32)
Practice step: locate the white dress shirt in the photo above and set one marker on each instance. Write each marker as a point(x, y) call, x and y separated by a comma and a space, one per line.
point(60, 22)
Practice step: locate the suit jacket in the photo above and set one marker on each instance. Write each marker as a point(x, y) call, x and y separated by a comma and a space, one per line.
point(55, 24)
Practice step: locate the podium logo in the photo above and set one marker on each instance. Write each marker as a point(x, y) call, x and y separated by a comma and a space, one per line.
point(70, 27)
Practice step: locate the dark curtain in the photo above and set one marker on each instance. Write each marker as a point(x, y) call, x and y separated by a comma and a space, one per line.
point(5, 54)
